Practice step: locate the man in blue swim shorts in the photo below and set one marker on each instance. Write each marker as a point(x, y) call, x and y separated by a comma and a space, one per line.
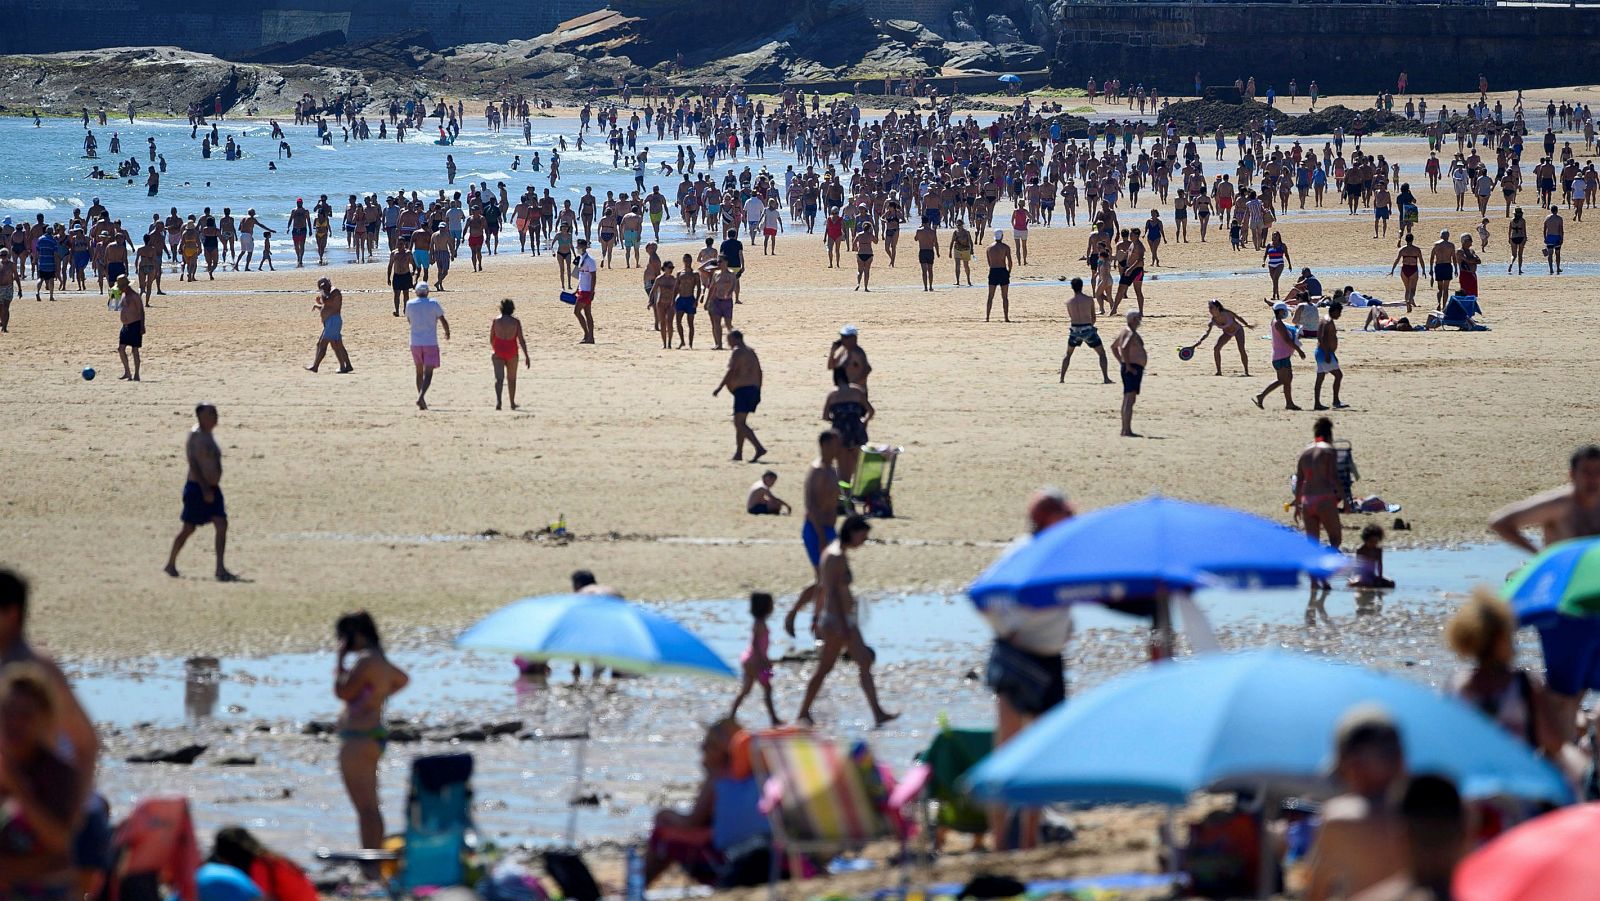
point(822, 511)
point(330, 306)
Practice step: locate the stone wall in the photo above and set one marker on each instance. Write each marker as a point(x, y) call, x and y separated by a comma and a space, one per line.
point(1346, 48)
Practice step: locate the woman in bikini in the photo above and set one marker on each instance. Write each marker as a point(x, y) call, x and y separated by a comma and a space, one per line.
point(848, 409)
point(1409, 259)
point(1517, 237)
point(1232, 326)
point(863, 244)
point(838, 625)
point(1275, 259)
point(363, 686)
point(505, 336)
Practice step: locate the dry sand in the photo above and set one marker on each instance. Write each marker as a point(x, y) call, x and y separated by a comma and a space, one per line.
point(344, 495)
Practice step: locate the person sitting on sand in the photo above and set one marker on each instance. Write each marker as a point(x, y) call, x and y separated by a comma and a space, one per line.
point(1359, 843)
point(762, 502)
point(697, 839)
point(42, 794)
point(1434, 824)
point(1369, 560)
point(364, 686)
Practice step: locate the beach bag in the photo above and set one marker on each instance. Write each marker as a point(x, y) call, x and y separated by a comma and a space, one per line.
point(571, 875)
point(1224, 855)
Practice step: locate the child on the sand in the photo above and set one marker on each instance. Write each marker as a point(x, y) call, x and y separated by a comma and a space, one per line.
point(1236, 234)
point(757, 666)
point(1369, 560)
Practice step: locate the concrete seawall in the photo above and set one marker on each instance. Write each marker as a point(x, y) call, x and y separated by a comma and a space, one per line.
point(1346, 48)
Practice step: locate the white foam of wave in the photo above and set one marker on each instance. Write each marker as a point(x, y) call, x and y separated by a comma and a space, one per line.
point(38, 204)
point(485, 176)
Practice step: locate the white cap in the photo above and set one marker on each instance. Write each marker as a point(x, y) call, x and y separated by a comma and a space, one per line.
point(849, 331)
point(1280, 305)
point(422, 290)
point(999, 234)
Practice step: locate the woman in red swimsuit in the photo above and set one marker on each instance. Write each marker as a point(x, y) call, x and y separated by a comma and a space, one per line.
point(505, 336)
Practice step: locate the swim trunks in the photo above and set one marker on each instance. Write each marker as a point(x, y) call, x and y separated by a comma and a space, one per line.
point(1552, 240)
point(999, 275)
point(1381, 212)
point(1083, 334)
point(815, 543)
point(1281, 363)
point(420, 258)
point(1132, 378)
point(402, 281)
point(131, 335)
point(925, 255)
point(1326, 362)
point(197, 511)
point(746, 399)
point(333, 328)
point(116, 270)
point(723, 308)
point(1030, 683)
point(1443, 272)
point(685, 305)
point(425, 355)
point(585, 297)
point(1132, 276)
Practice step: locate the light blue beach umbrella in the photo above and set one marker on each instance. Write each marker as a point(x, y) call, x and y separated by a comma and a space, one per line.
point(1261, 719)
point(605, 629)
point(601, 628)
point(1008, 78)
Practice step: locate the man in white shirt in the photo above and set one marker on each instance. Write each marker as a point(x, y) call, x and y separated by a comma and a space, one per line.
point(587, 270)
point(754, 208)
point(425, 316)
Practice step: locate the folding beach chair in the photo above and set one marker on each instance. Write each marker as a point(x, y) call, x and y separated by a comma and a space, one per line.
point(1459, 311)
point(438, 820)
point(824, 799)
point(869, 492)
point(945, 808)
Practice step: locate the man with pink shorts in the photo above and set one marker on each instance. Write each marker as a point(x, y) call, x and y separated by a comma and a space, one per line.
point(425, 316)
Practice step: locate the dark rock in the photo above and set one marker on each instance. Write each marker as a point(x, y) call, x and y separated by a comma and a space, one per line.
point(181, 756)
point(508, 727)
point(963, 27)
point(237, 760)
point(1002, 30)
point(908, 32)
point(319, 727)
point(473, 734)
point(290, 51)
point(544, 735)
point(404, 734)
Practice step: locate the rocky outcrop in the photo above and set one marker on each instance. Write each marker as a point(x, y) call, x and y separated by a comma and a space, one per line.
point(963, 27)
point(1002, 30)
point(293, 51)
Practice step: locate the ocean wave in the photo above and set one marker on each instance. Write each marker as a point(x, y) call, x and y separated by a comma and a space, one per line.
point(38, 204)
point(484, 176)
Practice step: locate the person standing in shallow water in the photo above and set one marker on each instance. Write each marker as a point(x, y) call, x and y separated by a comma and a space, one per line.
point(838, 624)
point(364, 685)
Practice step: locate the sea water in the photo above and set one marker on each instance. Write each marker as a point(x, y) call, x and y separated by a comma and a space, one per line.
point(48, 172)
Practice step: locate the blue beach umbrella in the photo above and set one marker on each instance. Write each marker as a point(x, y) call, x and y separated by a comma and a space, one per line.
point(1011, 79)
point(1150, 547)
point(1558, 592)
point(607, 630)
point(601, 628)
point(1260, 719)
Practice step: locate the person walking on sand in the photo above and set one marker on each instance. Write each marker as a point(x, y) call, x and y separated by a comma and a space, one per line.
point(1131, 360)
point(838, 624)
point(754, 662)
point(1316, 485)
point(1026, 669)
point(425, 316)
point(1327, 357)
point(364, 686)
point(1284, 345)
point(927, 240)
point(1409, 259)
point(743, 380)
point(330, 305)
point(130, 337)
point(821, 500)
point(1571, 511)
point(1442, 256)
point(1082, 330)
point(587, 272)
point(202, 492)
point(1555, 234)
point(999, 257)
point(505, 337)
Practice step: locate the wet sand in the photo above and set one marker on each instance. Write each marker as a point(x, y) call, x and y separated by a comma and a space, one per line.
point(343, 495)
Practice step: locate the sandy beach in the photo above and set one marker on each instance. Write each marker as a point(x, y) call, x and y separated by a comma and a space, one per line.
point(343, 495)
